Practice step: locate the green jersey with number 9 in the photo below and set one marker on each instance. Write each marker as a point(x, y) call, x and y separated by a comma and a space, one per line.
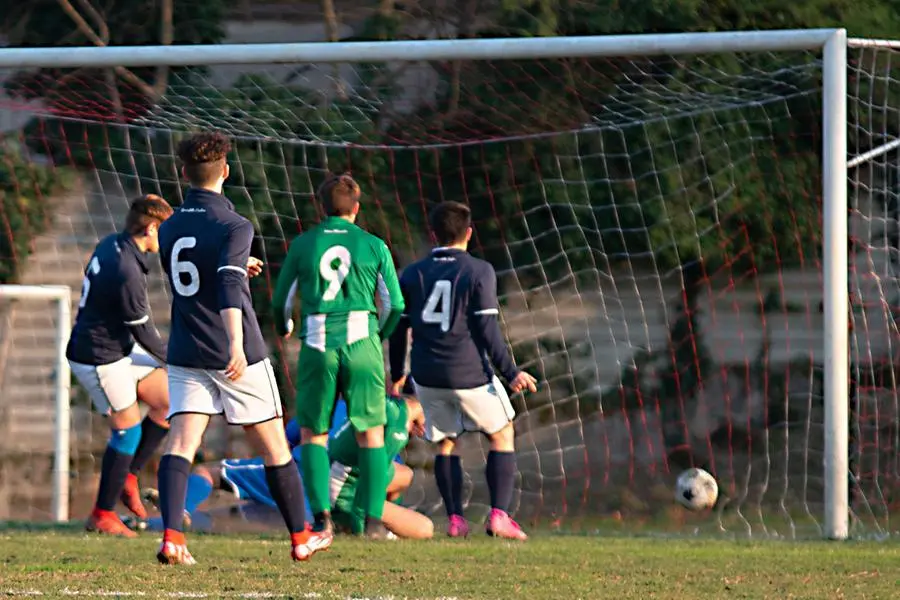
point(338, 268)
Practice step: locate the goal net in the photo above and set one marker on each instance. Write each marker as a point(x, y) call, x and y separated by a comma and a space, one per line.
point(656, 223)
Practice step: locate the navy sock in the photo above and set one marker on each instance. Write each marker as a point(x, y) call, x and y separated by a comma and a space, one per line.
point(151, 436)
point(114, 471)
point(501, 478)
point(172, 481)
point(442, 478)
point(286, 488)
point(456, 484)
point(448, 474)
point(198, 490)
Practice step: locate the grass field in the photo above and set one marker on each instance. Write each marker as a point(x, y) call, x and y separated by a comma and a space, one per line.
point(63, 564)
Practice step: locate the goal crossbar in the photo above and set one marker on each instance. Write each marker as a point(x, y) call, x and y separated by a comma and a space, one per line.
point(420, 50)
point(61, 295)
point(832, 43)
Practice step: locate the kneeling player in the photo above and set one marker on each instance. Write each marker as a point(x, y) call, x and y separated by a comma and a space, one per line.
point(115, 371)
point(246, 480)
point(348, 511)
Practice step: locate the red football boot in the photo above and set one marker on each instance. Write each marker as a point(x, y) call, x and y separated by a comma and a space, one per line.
point(109, 523)
point(131, 497)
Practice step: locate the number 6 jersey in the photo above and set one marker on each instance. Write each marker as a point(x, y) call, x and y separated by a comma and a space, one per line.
point(337, 269)
point(204, 248)
point(113, 311)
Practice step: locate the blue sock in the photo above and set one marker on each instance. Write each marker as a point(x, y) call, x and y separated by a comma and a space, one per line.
point(198, 490)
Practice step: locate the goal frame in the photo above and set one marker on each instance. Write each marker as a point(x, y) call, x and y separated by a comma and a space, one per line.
point(61, 296)
point(832, 43)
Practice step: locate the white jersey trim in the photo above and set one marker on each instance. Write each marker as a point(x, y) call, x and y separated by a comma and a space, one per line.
point(315, 332)
point(357, 326)
point(385, 297)
point(232, 268)
point(288, 308)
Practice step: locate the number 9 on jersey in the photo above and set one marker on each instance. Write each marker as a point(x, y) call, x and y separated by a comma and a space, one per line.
point(334, 267)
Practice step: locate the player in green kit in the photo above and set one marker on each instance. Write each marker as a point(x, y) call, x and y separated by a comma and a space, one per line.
point(337, 268)
point(404, 418)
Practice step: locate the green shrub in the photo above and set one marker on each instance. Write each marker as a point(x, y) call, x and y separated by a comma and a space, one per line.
point(27, 189)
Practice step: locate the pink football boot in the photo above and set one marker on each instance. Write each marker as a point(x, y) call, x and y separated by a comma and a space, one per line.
point(458, 527)
point(500, 525)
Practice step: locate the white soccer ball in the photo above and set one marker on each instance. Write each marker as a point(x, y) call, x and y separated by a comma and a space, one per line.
point(696, 490)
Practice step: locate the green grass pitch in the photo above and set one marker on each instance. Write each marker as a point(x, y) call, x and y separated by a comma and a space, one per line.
point(63, 564)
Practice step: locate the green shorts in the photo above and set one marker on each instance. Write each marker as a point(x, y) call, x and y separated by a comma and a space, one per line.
point(355, 372)
point(346, 520)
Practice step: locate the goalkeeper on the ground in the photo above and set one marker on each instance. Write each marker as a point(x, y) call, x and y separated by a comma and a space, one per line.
point(245, 478)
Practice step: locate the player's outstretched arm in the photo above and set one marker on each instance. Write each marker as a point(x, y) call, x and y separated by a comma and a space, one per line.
point(232, 275)
point(398, 348)
point(484, 323)
point(389, 291)
point(136, 310)
point(285, 291)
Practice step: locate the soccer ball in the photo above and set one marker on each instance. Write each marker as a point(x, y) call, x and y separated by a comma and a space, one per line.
point(696, 490)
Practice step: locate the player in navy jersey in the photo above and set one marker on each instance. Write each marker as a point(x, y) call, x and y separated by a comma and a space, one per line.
point(113, 313)
point(218, 359)
point(452, 309)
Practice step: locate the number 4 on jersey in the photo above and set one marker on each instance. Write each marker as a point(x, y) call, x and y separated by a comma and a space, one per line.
point(437, 308)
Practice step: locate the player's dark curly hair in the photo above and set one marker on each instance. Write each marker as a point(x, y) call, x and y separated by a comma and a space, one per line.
point(144, 211)
point(203, 157)
point(449, 222)
point(339, 195)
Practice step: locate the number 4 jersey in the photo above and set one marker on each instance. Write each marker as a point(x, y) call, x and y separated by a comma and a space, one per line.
point(452, 308)
point(204, 248)
point(338, 268)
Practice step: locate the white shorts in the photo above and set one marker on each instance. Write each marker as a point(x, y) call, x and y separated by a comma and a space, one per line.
point(448, 413)
point(251, 399)
point(113, 387)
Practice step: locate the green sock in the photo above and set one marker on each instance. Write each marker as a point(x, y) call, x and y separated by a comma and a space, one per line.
point(373, 480)
point(316, 469)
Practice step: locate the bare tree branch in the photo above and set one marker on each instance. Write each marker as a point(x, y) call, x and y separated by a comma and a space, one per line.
point(102, 27)
point(331, 20)
point(114, 96)
point(332, 33)
point(166, 36)
point(465, 27)
point(97, 40)
point(82, 25)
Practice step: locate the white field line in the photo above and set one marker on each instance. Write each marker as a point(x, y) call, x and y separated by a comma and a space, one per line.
point(10, 593)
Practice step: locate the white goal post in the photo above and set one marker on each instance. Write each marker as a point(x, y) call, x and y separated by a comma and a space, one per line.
point(61, 296)
point(832, 43)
